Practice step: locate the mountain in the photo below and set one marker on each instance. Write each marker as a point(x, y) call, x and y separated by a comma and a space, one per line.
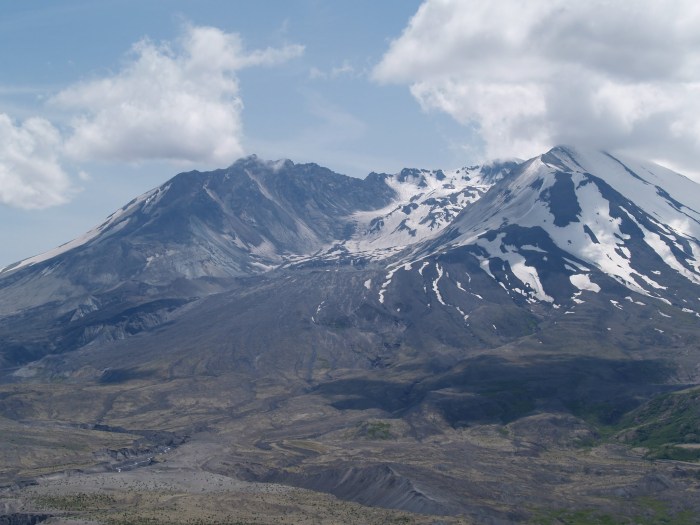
point(199, 232)
point(328, 332)
point(226, 223)
point(593, 213)
point(548, 233)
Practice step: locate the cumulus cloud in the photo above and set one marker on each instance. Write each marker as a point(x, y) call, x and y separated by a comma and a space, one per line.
point(170, 101)
point(616, 75)
point(31, 175)
point(175, 102)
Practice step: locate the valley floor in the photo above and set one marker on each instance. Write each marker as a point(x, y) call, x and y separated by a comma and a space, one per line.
point(524, 472)
point(178, 489)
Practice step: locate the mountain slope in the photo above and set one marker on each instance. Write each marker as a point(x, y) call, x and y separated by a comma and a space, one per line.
point(221, 224)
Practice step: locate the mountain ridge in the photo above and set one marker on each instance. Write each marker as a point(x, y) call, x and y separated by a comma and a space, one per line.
point(546, 231)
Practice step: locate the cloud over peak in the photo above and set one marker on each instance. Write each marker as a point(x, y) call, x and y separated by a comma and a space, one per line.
point(619, 75)
point(168, 102)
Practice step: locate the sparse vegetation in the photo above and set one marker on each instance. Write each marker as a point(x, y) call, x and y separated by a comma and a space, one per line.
point(378, 430)
point(653, 512)
point(135, 504)
point(77, 502)
point(668, 426)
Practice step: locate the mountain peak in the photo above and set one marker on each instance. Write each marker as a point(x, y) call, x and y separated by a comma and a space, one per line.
point(603, 213)
point(253, 160)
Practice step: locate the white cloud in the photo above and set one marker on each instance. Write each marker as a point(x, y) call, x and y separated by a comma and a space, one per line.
point(31, 176)
point(176, 102)
point(168, 102)
point(618, 75)
point(345, 69)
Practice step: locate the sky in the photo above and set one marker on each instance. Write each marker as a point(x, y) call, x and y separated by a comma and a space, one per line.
point(102, 101)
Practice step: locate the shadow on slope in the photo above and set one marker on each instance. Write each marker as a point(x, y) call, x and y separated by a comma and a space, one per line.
point(493, 389)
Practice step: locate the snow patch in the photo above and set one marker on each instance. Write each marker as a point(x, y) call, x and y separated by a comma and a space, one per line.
point(425, 203)
point(386, 283)
point(461, 312)
point(498, 249)
point(435, 285)
point(583, 282)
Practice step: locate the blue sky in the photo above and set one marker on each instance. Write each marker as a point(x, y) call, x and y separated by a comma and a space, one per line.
point(101, 101)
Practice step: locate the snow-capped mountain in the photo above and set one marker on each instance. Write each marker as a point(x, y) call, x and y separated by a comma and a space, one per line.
point(557, 230)
point(588, 214)
point(241, 221)
point(542, 235)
